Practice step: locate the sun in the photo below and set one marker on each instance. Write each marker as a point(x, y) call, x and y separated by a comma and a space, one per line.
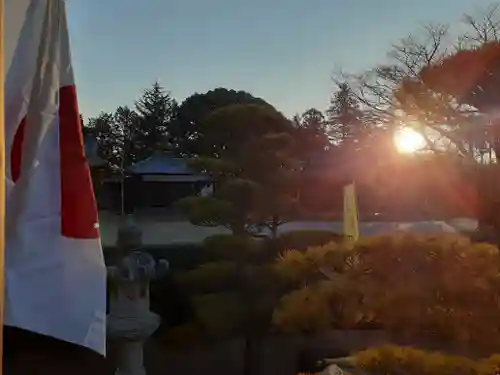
point(408, 141)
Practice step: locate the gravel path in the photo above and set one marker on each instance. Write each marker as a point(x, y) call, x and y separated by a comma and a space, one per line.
point(161, 232)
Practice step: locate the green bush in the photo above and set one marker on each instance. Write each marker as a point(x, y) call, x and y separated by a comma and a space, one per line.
point(230, 247)
point(210, 277)
point(219, 314)
point(304, 238)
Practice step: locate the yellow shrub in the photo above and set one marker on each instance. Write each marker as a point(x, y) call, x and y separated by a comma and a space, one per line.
point(438, 287)
point(305, 310)
point(305, 238)
point(490, 366)
point(394, 360)
point(294, 265)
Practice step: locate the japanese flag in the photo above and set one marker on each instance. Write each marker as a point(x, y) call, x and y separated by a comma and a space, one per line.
point(54, 270)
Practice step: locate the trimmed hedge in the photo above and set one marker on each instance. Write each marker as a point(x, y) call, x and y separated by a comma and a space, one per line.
point(227, 247)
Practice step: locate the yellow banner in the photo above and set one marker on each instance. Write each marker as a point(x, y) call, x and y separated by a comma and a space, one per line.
point(351, 221)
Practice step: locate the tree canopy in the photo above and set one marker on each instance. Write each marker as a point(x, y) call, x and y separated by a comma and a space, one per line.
point(248, 151)
point(132, 134)
point(193, 110)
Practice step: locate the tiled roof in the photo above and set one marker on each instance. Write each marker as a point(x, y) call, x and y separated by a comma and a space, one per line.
point(163, 164)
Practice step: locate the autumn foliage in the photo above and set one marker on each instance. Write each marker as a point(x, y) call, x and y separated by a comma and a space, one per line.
point(393, 360)
point(438, 288)
point(479, 74)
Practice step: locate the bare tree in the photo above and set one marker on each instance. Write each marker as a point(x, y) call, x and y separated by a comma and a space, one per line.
point(375, 87)
point(394, 93)
point(481, 27)
point(446, 85)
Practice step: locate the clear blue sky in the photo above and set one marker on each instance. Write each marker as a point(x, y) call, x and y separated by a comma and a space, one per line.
point(284, 51)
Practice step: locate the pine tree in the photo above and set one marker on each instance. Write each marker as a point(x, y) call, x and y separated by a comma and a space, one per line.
point(156, 109)
point(311, 134)
point(126, 121)
point(344, 118)
point(104, 129)
point(314, 120)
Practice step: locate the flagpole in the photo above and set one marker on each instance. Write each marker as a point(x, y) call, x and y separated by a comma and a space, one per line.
point(2, 183)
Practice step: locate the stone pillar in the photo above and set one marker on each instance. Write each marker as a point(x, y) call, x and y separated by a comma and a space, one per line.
point(130, 322)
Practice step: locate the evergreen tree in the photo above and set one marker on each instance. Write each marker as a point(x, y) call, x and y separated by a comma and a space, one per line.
point(344, 118)
point(311, 133)
point(156, 109)
point(104, 129)
point(187, 130)
point(126, 122)
point(313, 119)
point(249, 152)
point(117, 137)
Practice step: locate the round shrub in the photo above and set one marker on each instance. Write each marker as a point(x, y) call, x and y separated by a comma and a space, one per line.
point(209, 277)
point(230, 247)
point(303, 311)
point(219, 314)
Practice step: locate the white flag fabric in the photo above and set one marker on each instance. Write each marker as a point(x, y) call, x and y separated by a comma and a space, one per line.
point(54, 269)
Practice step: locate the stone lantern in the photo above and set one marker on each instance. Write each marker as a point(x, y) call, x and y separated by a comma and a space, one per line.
point(130, 322)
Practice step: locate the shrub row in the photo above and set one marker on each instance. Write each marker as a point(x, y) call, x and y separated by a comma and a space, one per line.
point(227, 247)
point(441, 289)
point(201, 295)
point(394, 360)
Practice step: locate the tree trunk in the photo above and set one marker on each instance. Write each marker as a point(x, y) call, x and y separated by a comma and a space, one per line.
point(274, 228)
point(488, 188)
point(486, 211)
point(250, 355)
point(238, 230)
point(251, 347)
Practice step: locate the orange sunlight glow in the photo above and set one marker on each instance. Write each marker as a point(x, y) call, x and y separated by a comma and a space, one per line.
point(408, 141)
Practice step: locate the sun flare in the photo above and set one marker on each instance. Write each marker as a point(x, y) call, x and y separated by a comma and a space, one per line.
point(408, 141)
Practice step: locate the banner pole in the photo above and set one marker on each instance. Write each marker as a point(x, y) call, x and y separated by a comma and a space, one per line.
point(2, 183)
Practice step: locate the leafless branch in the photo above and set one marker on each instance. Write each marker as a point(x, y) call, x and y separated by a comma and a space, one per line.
point(396, 87)
point(483, 26)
